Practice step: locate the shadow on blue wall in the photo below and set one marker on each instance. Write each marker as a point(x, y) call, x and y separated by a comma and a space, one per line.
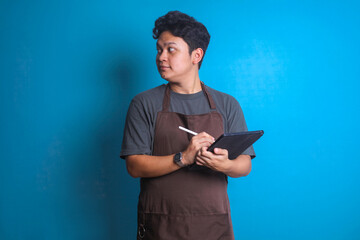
point(118, 189)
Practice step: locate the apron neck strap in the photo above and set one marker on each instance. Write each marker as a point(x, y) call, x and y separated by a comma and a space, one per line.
point(166, 101)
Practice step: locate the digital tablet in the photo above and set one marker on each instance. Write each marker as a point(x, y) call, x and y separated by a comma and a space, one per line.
point(236, 143)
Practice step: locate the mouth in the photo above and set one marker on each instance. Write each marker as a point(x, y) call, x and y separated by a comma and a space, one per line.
point(163, 66)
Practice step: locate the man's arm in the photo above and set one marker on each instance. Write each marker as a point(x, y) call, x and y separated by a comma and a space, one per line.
point(150, 166)
point(155, 166)
point(219, 161)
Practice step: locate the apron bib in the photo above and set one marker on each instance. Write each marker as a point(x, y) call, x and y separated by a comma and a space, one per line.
point(192, 202)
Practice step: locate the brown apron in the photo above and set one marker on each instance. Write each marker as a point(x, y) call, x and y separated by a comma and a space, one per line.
point(192, 202)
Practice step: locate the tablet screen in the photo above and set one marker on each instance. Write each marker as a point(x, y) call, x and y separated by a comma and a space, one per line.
point(236, 143)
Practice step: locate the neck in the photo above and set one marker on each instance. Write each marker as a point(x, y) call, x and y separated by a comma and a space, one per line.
point(187, 87)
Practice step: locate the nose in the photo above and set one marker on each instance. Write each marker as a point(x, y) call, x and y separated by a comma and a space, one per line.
point(162, 56)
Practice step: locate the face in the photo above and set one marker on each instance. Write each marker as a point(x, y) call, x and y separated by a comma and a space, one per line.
point(174, 62)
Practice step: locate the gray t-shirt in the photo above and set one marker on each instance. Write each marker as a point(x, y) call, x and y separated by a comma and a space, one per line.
point(141, 117)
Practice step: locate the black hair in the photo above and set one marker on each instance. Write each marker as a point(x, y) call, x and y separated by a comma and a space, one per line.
point(182, 25)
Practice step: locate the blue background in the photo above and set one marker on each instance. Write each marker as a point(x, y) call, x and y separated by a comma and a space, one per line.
point(69, 69)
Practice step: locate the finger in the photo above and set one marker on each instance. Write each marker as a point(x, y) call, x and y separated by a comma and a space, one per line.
point(202, 139)
point(205, 139)
point(200, 152)
point(200, 145)
point(199, 161)
point(220, 151)
point(204, 146)
point(203, 150)
point(206, 154)
point(204, 134)
point(204, 159)
point(201, 157)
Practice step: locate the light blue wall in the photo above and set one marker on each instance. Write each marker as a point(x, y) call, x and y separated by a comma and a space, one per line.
point(69, 69)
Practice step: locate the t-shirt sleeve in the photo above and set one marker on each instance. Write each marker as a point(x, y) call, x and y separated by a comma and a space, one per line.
point(236, 123)
point(137, 131)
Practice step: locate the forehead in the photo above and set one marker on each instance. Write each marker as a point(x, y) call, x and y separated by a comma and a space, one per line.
point(166, 38)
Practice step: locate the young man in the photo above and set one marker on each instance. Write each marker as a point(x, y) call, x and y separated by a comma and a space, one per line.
point(183, 191)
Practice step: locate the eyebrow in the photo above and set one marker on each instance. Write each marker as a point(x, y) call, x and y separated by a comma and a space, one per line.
point(166, 43)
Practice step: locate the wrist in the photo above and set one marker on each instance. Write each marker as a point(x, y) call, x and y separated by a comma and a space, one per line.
point(186, 159)
point(227, 168)
point(179, 159)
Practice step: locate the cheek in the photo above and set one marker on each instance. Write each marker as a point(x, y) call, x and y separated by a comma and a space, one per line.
point(181, 61)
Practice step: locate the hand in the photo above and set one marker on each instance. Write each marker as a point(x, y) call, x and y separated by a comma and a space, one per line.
point(196, 143)
point(218, 161)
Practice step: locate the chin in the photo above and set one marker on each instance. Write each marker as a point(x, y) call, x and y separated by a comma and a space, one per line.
point(163, 76)
point(167, 78)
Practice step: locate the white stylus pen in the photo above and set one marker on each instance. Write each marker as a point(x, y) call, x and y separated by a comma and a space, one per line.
point(187, 130)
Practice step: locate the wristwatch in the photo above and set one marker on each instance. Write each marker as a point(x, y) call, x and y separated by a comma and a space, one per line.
point(177, 159)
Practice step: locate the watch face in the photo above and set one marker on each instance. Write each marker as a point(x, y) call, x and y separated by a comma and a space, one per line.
point(178, 157)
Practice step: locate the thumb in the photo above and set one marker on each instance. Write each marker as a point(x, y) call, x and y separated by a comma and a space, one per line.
point(220, 151)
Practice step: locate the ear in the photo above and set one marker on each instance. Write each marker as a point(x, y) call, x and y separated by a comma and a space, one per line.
point(197, 55)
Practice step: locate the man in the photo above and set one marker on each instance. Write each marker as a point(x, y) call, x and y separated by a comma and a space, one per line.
point(183, 186)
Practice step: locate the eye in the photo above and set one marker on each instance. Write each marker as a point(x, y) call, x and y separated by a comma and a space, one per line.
point(171, 49)
point(158, 50)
